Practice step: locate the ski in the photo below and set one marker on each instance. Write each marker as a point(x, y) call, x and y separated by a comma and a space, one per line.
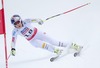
point(64, 53)
point(53, 58)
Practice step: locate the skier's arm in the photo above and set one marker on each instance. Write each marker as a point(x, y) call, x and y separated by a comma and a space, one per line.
point(14, 37)
point(39, 21)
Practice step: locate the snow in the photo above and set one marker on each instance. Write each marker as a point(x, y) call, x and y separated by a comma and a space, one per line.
point(80, 26)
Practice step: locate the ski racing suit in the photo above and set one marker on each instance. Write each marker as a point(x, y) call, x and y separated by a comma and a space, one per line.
point(35, 37)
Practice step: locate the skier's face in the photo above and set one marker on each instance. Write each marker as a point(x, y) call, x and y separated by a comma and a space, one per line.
point(18, 24)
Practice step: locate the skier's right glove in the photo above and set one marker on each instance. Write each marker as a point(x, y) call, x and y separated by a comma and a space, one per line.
point(13, 51)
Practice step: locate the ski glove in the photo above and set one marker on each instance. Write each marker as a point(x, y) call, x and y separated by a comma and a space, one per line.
point(40, 22)
point(13, 51)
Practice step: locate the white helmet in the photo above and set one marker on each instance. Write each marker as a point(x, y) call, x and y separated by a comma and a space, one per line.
point(15, 18)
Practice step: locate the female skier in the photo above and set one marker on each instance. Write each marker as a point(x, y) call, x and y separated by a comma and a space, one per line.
point(35, 37)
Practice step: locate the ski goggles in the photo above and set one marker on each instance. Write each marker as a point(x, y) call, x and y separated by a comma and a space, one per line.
point(17, 22)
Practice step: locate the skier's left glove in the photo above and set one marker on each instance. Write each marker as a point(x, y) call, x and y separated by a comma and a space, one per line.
point(13, 51)
point(40, 22)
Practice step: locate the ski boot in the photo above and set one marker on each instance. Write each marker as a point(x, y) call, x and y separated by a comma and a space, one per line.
point(77, 49)
point(58, 51)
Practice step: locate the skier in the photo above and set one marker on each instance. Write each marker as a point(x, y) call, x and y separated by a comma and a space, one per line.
point(35, 37)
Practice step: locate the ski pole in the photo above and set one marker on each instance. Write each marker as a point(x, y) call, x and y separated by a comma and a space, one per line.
point(67, 11)
point(8, 57)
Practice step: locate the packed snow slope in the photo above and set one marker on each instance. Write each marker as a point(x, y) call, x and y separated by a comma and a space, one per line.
point(81, 26)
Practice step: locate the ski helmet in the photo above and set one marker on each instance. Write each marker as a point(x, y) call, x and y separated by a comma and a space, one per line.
point(15, 18)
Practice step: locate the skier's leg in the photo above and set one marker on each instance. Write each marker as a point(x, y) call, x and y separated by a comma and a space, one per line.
point(41, 44)
point(48, 39)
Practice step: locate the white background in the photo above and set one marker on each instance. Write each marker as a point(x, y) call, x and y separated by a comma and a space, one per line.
point(81, 26)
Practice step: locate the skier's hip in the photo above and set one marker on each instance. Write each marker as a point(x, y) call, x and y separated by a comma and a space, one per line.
point(35, 31)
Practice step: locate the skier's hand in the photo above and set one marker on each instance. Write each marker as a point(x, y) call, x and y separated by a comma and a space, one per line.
point(13, 51)
point(40, 22)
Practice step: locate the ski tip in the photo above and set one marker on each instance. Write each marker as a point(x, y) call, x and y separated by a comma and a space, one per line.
point(75, 54)
point(51, 59)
